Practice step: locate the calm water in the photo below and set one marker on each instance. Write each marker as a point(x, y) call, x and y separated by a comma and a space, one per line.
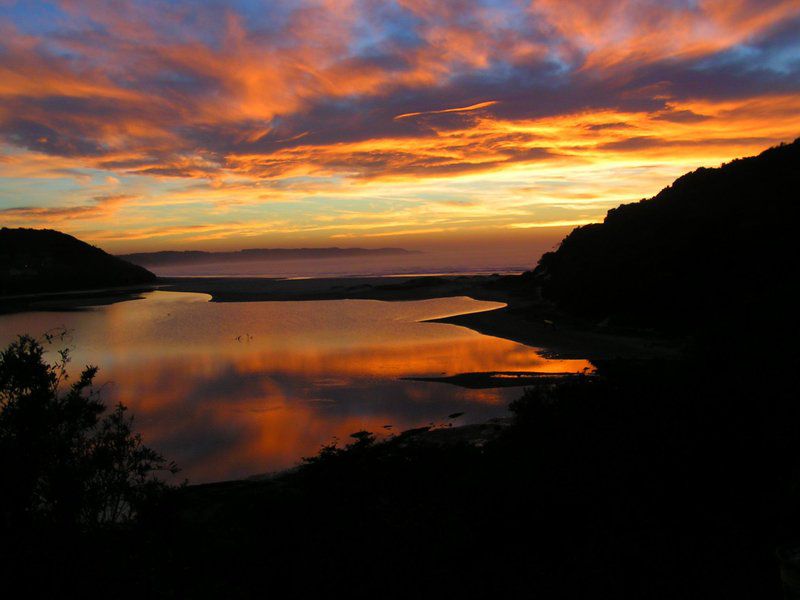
point(299, 374)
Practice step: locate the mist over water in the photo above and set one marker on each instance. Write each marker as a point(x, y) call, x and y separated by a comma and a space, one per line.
point(478, 259)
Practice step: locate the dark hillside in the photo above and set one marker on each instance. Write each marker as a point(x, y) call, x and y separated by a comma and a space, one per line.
point(716, 244)
point(44, 260)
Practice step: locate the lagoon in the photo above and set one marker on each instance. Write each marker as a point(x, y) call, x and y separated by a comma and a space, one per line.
point(229, 390)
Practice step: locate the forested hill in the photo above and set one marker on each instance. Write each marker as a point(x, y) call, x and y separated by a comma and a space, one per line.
point(718, 245)
point(44, 260)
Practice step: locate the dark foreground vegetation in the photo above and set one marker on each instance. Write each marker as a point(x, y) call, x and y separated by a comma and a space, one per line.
point(652, 480)
point(649, 480)
point(69, 467)
point(43, 260)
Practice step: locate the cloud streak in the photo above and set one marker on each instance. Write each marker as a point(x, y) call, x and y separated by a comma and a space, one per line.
point(100, 207)
point(472, 107)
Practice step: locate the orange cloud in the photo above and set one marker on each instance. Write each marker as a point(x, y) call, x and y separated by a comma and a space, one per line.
point(100, 207)
point(238, 112)
point(477, 106)
point(613, 34)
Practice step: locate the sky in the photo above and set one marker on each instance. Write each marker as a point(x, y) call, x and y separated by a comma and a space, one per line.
point(141, 125)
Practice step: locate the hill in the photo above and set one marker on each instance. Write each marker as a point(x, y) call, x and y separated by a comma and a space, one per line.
point(717, 245)
point(186, 257)
point(44, 260)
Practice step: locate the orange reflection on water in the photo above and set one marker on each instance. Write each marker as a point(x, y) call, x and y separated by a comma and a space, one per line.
point(228, 390)
point(407, 359)
point(262, 411)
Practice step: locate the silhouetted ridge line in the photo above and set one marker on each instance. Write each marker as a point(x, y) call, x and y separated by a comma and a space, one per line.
point(165, 257)
point(717, 245)
point(44, 260)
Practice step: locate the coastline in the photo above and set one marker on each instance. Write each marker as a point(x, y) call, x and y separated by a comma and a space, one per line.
point(524, 319)
point(390, 289)
point(71, 300)
point(527, 321)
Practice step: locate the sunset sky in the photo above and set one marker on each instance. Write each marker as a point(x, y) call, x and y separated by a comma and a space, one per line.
point(145, 125)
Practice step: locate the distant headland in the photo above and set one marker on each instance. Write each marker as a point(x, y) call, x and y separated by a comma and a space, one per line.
point(190, 257)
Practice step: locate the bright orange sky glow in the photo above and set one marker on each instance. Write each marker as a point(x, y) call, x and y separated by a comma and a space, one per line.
point(139, 125)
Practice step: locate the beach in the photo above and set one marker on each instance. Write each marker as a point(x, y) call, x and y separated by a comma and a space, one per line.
point(527, 321)
point(524, 319)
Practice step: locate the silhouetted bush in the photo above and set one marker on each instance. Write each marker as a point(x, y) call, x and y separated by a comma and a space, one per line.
point(65, 461)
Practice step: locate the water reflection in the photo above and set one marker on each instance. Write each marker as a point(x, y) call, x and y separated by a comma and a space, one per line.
point(228, 390)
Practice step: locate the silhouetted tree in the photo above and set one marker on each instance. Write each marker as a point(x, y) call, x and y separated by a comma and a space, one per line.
point(64, 460)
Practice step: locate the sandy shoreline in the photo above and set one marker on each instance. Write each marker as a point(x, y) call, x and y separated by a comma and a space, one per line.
point(251, 289)
point(523, 320)
point(530, 322)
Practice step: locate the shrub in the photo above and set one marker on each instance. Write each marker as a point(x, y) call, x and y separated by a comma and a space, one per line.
point(65, 460)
